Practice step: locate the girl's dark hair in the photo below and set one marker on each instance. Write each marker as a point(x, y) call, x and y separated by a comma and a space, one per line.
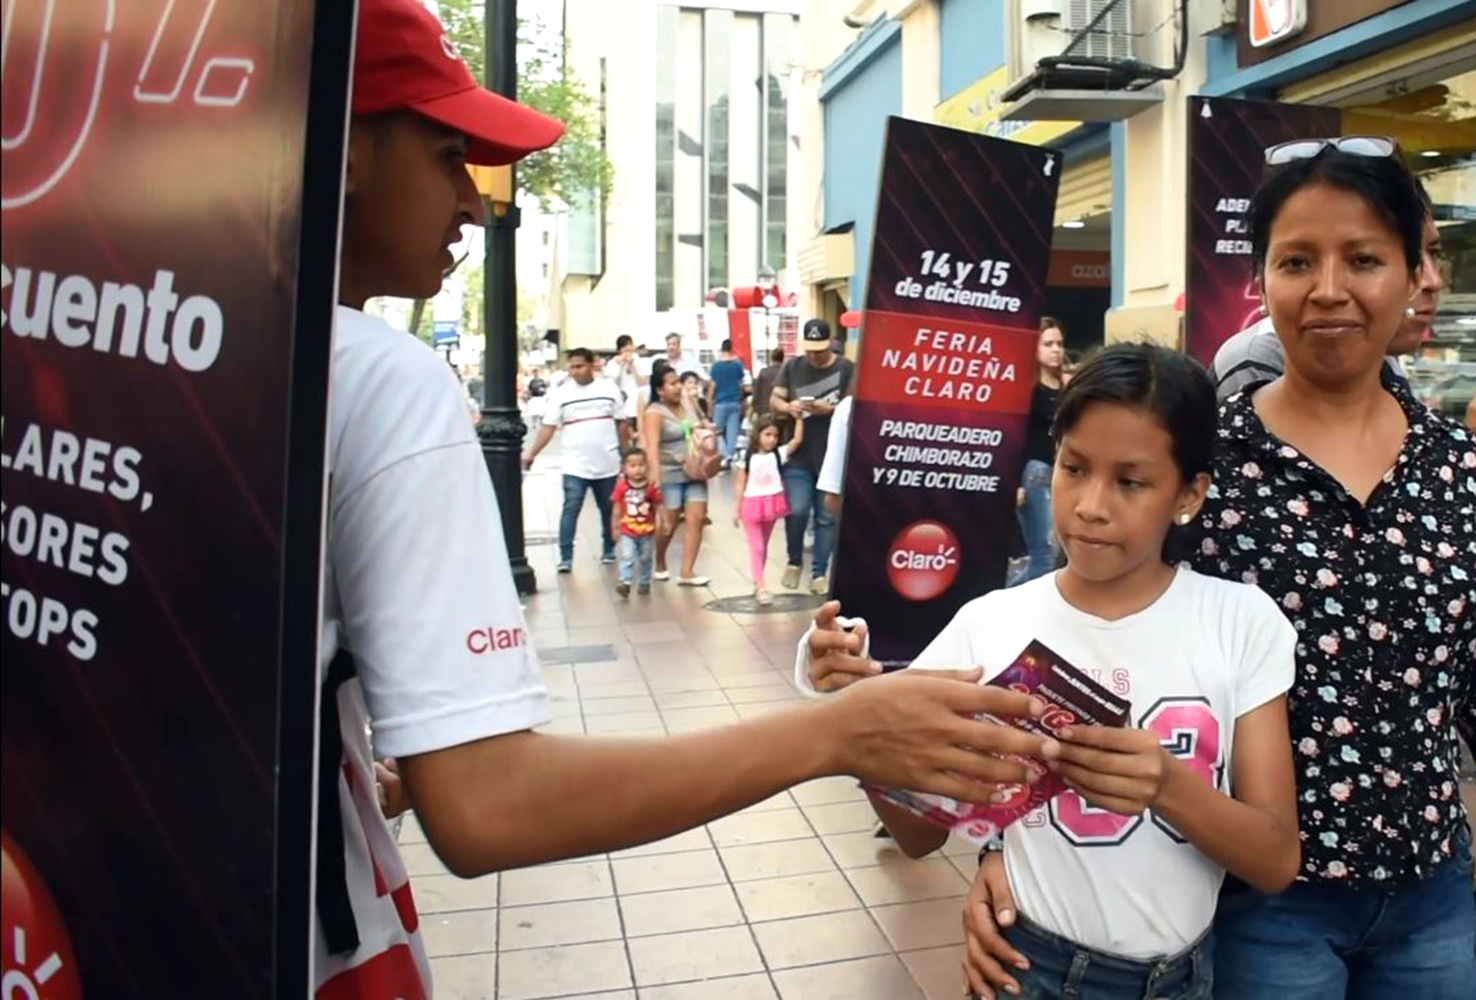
point(1051, 323)
point(1384, 182)
point(658, 375)
point(1170, 385)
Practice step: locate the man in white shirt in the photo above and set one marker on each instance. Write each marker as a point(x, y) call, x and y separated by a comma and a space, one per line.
point(680, 360)
point(423, 639)
point(591, 412)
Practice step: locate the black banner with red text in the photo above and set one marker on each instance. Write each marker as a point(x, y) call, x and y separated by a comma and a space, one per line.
point(947, 368)
point(171, 179)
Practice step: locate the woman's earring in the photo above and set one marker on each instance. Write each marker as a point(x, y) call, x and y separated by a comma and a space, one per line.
point(1185, 517)
point(1409, 312)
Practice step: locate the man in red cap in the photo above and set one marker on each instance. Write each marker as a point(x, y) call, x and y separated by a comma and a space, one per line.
point(423, 637)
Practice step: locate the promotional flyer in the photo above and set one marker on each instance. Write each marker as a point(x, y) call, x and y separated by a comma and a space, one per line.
point(171, 190)
point(1227, 143)
point(947, 368)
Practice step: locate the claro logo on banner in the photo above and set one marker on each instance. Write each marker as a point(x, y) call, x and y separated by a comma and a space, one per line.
point(923, 560)
point(35, 89)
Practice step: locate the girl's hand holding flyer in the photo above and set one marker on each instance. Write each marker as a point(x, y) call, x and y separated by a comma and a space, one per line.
point(1072, 699)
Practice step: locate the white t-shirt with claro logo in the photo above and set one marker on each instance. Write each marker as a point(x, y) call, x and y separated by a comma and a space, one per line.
point(586, 416)
point(1205, 653)
point(417, 587)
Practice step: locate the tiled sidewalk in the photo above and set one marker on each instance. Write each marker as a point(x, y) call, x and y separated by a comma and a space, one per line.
point(792, 898)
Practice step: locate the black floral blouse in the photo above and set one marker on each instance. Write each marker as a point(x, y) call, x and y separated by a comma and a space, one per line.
point(1383, 597)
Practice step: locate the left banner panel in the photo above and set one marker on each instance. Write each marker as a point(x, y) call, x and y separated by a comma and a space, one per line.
point(171, 193)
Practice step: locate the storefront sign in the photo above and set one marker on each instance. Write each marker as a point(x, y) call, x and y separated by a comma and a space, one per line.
point(1227, 142)
point(978, 106)
point(1273, 27)
point(1273, 21)
point(1080, 269)
point(171, 179)
point(947, 369)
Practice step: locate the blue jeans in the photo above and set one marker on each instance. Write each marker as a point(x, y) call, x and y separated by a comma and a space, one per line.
point(574, 487)
point(1035, 519)
point(1063, 970)
point(1319, 941)
point(729, 419)
point(804, 499)
point(637, 557)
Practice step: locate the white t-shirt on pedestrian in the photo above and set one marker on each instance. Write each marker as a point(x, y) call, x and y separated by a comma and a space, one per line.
point(586, 415)
point(624, 377)
point(764, 476)
point(1205, 653)
point(832, 475)
point(417, 587)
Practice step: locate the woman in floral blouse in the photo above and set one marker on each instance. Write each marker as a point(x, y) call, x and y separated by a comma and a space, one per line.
point(1354, 506)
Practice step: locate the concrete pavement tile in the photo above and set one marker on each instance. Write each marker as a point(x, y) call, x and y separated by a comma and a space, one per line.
point(932, 923)
point(690, 699)
point(680, 910)
point(617, 706)
point(466, 932)
point(685, 720)
point(410, 831)
point(560, 707)
point(624, 722)
point(676, 958)
point(563, 727)
point(755, 987)
point(675, 683)
point(907, 881)
point(860, 850)
point(561, 971)
point(440, 893)
point(465, 977)
point(881, 978)
point(556, 883)
point(659, 872)
point(420, 859)
point(796, 896)
point(613, 689)
point(549, 924)
point(695, 839)
point(827, 791)
point(938, 971)
point(841, 817)
point(605, 673)
point(788, 857)
point(758, 708)
point(826, 937)
point(760, 828)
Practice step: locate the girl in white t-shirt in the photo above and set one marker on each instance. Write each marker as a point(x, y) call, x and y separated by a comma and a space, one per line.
point(1117, 878)
point(760, 488)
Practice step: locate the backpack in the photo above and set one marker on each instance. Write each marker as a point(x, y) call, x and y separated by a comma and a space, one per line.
point(703, 458)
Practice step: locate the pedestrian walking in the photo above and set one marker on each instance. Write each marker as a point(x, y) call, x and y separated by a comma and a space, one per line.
point(423, 639)
point(590, 411)
point(636, 503)
point(1033, 497)
point(760, 489)
point(668, 428)
point(725, 398)
point(763, 382)
point(810, 386)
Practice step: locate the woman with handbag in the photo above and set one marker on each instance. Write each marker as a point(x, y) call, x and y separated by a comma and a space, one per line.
point(672, 434)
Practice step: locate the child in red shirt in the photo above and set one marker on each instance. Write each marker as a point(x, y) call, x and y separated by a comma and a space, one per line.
point(633, 515)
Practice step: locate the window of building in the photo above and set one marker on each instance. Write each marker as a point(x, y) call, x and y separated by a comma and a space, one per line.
point(666, 25)
point(717, 37)
point(778, 39)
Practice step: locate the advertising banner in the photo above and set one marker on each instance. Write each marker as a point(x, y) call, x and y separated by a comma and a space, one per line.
point(947, 368)
point(171, 190)
point(1227, 143)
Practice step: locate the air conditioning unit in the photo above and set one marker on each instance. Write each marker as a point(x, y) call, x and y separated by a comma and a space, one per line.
point(1077, 60)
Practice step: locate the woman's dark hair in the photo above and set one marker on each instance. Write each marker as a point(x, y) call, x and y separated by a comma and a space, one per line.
point(690, 374)
point(658, 375)
point(1170, 385)
point(1384, 182)
point(1051, 323)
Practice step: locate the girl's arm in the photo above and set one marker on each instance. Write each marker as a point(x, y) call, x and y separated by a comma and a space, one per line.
point(915, 835)
point(1253, 835)
point(740, 485)
point(796, 441)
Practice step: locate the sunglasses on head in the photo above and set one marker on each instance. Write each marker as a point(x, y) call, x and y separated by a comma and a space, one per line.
point(1354, 145)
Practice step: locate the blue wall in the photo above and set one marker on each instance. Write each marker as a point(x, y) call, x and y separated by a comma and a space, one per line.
point(971, 45)
point(859, 94)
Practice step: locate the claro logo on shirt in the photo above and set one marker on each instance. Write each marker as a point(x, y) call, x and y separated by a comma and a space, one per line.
point(492, 639)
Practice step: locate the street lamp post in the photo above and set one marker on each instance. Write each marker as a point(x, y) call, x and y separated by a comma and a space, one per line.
point(502, 429)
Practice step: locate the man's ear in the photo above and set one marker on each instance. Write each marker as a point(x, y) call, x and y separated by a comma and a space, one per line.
point(359, 162)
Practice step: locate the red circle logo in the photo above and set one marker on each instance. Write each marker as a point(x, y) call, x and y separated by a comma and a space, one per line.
point(923, 560)
point(38, 961)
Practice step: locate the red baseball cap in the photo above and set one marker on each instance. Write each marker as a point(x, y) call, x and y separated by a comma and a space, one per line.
point(404, 61)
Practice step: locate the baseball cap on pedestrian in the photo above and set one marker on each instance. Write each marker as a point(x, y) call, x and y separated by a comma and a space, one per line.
point(817, 335)
point(404, 61)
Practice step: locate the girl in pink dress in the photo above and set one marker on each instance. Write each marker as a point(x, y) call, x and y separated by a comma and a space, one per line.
point(760, 488)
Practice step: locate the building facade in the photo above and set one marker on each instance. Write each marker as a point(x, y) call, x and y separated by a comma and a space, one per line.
point(1122, 238)
point(697, 108)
